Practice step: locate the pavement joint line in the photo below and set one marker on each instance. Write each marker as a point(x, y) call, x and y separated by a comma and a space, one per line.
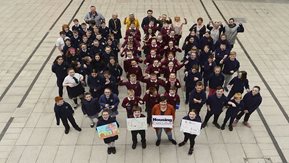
point(6, 128)
point(32, 54)
point(275, 143)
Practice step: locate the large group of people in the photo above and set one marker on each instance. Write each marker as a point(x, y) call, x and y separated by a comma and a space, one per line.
point(152, 54)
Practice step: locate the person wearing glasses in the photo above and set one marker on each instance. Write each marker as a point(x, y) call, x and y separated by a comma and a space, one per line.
point(109, 101)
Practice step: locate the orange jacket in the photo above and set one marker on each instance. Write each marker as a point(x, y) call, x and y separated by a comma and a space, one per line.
point(170, 110)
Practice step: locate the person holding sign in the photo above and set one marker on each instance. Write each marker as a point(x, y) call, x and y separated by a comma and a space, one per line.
point(163, 108)
point(106, 119)
point(137, 114)
point(192, 116)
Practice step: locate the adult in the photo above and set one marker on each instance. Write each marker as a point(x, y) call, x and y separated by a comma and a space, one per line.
point(131, 20)
point(199, 28)
point(163, 108)
point(63, 111)
point(146, 20)
point(60, 70)
point(114, 25)
point(231, 30)
point(94, 16)
point(252, 100)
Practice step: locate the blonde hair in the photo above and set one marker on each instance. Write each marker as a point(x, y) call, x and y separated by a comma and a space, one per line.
point(238, 96)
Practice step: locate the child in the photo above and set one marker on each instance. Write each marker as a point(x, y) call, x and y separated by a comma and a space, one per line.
point(208, 68)
point(173, 98)
point(104, 120)
point(239, 83)
point(137, 114)
point(192, 116)
point(60, 70)
point(130, 101)
point(172, 81)
point(109, 100)
point(191, 78)
point(133, 84)
point(197, 97)
point(153, 81)
point(91, 108)
point(151, 98)
point(95, 83)
point(231, 65)
point(235, 106)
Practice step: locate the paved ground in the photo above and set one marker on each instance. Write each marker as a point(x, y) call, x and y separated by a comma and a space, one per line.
point(33, 136)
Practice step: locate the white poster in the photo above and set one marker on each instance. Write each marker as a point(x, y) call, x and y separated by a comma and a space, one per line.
point(136, 124)
point(191, 127)
point(162, 121)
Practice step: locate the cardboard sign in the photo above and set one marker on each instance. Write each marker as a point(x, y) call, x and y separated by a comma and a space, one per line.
point(136, 124)
point(106, 131)
point(191, 127)
point(162, 121)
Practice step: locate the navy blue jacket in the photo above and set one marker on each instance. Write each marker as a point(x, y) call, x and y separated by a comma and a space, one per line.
point(113, 100)
point(233, 111)
point(251, 103)
point(90, 107)
point(216, 104)
point(230, 65)
point(60, 71)
point(208, 69)
point(102, 122)
point(238, 84)
point(191, 63)
point(199, 96)
point(216, 80)
point(219, 55)
point(95, 83)
point(63, 112)
point(189, 80)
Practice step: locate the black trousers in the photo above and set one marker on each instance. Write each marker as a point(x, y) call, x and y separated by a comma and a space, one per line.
point(60, 87)
point(192, 139)
point(209, 115)
point(71, 120)
point(142, 135)
point(247, 116)
point(231, 117)
point(149, 115)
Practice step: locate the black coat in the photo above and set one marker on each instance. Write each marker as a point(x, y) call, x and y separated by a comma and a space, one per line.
point(91, 107)
point(251, 103)
point(115, 27)
point(63, 112)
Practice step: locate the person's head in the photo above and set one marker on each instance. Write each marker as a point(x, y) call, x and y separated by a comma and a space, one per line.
point(211, 58)
point(223, 37)
point(172, 90)
point(195, 69)
point(216, 24)
point(171, 43)
point(255, 90)
point(84, 38)
point(131, 16)
point(92, 9)
point(172, 76)
point(217, 70)
point(177, 18)
point(163, 103)
point(156, 62)
point(207, 34)
point(105, 114)
point(83, 26)
point(232, 55)
point(136, 111)
point(242, 75)
point(149, 13)
point(97, 57)
point(238, 97)
point(107, 92)
point(171, 64)
point(171, 56)
point(223, 46)
point(219, 92)
point(65, 27)
point(58, 100)
point(83, 47)
point(114, 16)
point(192, 114)
point(62, 34)
point(94, 73)
point(200, 21)
point(132, 77)
point(153, 76)
point(231, 21)
point(164, 17)
point(206, 48)
point(107, 49)
point(130, 93)
point(75, 33)
point(199, 86)
point(106, 74)
point(87, 96)
point(151, 23)
point(193, 55)
point(129, 53)
point(153, 91)
point(154, 42)
point(70, 71)
point(75, 21)
point(192, 39)
point(153, 52)
point(133, 63)
point(58, 60)
point(71, 51)
point(112, 60)
point(172, 34)
point(103, 24)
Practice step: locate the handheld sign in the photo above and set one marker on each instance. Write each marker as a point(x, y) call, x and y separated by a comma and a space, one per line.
point(106, 131)
point(136, 124)
point(162, 121)
point(191, 127)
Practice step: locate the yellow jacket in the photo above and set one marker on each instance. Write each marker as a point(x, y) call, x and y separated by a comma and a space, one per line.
point(127, 23)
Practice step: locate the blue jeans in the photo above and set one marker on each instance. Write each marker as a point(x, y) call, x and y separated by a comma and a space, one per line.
point(159, 134)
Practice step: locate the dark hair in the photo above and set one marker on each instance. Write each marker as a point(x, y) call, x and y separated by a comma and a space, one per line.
point(163, 98)
point(200, 19)
point(219, 88)
point(244, 75)
point(87, 93)
point(149, 10)
point(136, 108)
point(55, 61)
point(199, 83)
point(196, 67)
point(75, 20)
point(61, 33)
point(232, 19)
point(152, 90)
point(258, 87)
point(106, 110)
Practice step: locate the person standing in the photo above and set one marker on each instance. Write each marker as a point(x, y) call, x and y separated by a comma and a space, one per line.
point(215, 106)
point(94, 16)
point(131, 20)
point(64, 112)
point(114, 25)
point(192, 116)
point(146, 20)
point(73, 84)
point(231, 30)
point(197, 97)
point(60, 70)
point(163, 108)
point(110, 101)
point(91, 108)
point(252, 100)
point(238, 84)
point(104, 120)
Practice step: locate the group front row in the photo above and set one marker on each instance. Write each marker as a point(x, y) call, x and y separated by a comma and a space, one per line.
point(163, 116)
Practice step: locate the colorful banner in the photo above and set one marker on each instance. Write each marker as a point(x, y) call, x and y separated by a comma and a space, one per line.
point(106, 131)
point(162, 121)
point(191, 127)
point(136, 124)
